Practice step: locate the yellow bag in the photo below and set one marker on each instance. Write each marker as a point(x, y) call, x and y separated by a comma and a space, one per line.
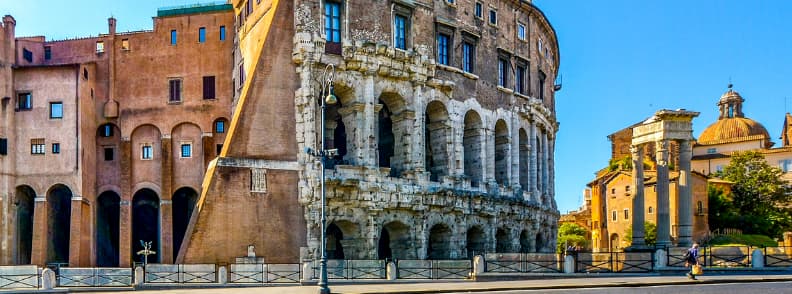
point(697, 270)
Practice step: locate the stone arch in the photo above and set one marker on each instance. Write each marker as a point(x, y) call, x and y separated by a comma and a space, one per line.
point(540, 242)
point(525, 242)
point(333, 245)
point(437, 135)
point(187, 159)
point(472, 148)
point(502, 152)
point(146, 137)
point(59, 198)
point(614, 241)
point(146, 224)
point(439, 245)
point(335, 126)
point(24, 199)
point(476, 241)
point(502, 241)
point(219, 130)
point(183, 205)
point(524, 160)
point(394, 125)
point(108, 212)
point(395, 242)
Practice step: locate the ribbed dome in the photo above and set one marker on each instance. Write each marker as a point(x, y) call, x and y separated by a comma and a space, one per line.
point(733, 129)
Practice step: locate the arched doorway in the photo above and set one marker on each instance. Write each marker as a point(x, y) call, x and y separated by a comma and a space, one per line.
point(502, 241)
point(184, 200)
point(439, 246)
point(539, 242)
point(436, 132)
point(614, 241)
point(525, 242)
point(385, 138)
point(146, 224)
point(476, 241)
point(25, 205)
point(107, 229)
point(502, 153)
point(58, 223)
point(395, 242)
point(471, 142)
point(333, 246)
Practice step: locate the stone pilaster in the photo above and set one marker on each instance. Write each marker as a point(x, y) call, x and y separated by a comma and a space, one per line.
point(403, 131)
point(75, 231)
point(638, 198)
point(514, 154)
point(166, 211)
point(685, 196)
point(663, 203)
point(488, 156)
point(125, 213)
point(39, 251)
point(545, 172)
point(354, 118)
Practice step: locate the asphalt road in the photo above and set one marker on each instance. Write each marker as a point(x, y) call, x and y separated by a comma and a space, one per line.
point(736, 288)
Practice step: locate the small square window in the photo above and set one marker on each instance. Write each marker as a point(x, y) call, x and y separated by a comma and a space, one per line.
point(100, 47)
point(27, 55)
point(24, 101)
point(222, 33)
point(56, 109)
point(125, 44)
point(186, 150)
point(201, 35)
point(626, 213)
point(55, 148)
point(712, 150)
point(521, 31)
point(147, 152)
point(220, 126)
point(108, 154)
point(479, 10)
point(651, 210)
point(493, 17)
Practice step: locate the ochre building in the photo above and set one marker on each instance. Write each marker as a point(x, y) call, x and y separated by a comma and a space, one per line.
point(192, 135)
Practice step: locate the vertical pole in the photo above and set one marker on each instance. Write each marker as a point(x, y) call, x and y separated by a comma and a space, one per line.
point(323, 289)
point(638, 204)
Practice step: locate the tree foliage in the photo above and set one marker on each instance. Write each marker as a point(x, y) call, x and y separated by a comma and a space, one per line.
point(758, 203)
point(650, 234)
point(571, 234)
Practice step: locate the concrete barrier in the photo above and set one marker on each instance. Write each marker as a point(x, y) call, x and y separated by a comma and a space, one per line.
point(392, 272)
point(48, 279)
point(757, 258)
point(569, 264)
point(478, 265)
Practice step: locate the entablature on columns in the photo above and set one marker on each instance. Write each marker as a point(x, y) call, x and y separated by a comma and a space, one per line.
point(665, 125)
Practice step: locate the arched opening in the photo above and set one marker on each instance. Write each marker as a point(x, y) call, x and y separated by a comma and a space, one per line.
point(614, 241)
point(385, 138)
point(219, 131)
point(146, 224)
point(502, 241)
point(474, 132)
point(540, 244)
point(58, 224)
point(335, 134)
point(476, 241)
point(25, 205)
point(107, 229)
point(184, 200)
point(525, 242)
point(395, 242)
point(333, 246)
point(524, 155)
point(439, 246)
point(436, 133)
point(502, 153)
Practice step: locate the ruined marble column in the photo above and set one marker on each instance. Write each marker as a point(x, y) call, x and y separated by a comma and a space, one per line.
point(533, 185)
point(638, 198)
point(663, 203)
point(685, 197)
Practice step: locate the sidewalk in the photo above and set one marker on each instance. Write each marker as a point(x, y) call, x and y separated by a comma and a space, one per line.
point(364, 287)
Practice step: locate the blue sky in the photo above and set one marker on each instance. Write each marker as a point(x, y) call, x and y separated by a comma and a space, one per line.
point(621, 60)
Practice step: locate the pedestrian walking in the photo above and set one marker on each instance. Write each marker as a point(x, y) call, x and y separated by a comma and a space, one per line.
point(691, 260)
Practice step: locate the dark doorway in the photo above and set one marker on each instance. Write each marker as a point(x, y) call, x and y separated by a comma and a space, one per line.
point(107, 228)
point(25, 205)
point(385, 138)
point(476, 241)
point(439, 242)
point(334, 248)
point(502, 241)
point(436, 132)
point(145, 224)
point(384, 249)
point(539, 242)
point(395, 242)
point(58, 224)
point(183, 204)
point(525, 243)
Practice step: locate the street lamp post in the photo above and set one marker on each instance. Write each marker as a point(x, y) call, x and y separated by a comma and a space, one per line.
point(327, 98)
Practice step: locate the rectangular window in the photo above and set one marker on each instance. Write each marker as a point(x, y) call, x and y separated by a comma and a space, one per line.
point(468, 56)
point(521, 31)
point(186, 150)
point(493, 17)
point(27, 55)
point(99, 46)
point(47, 52)
point(479, 10)
point(785, 165)
point(219, 148)
point(37, 146)
point(503, 72)
point(3, 146)
point(107, 130)
point(627, 189)
point(333, 22)
point(712, 150)
point(24, 101)
point(55, 148)
point(626, 213)
point(173, 37)
point(175, 88)
point(519, 80)
point(108, 154)
point(56, 109)
point(147, 152)
point(400, 32)
point(220, 126)
point(125, 44)
point(249, 8)
point(201, 35)
point(241, 74)
point(613, 216)
point(209, 87)
point(443, 49)
point(222, 33)
point(542, 79)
